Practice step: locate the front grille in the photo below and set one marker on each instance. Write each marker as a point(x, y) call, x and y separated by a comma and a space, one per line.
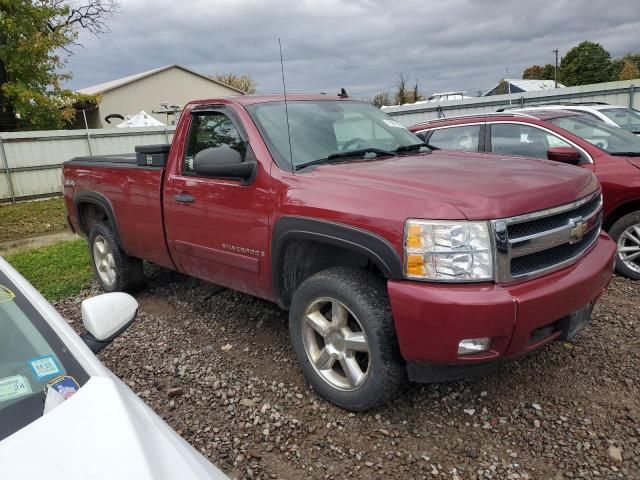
point(524, 229)
point(553, 256)
point(538, 243)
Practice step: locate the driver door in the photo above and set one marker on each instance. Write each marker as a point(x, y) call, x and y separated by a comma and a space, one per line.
point(217, 229)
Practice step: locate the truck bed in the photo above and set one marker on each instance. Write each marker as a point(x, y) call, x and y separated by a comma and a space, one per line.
point(133, 192)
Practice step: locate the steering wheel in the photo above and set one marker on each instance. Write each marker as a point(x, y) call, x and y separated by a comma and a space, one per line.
point(351, 142)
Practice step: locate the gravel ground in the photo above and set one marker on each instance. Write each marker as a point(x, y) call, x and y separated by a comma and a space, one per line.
point(218, 367)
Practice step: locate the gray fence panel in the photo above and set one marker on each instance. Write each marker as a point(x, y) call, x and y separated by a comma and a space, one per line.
point(626, 93)
point(34, 159)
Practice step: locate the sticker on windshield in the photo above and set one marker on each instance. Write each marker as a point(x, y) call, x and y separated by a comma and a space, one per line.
point(393, 123)
point(44, 367)
point(14, 387)
point(6, 295)
point(64, 385)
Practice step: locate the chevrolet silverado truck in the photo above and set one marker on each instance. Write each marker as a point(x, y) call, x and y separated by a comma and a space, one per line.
point(394, 261)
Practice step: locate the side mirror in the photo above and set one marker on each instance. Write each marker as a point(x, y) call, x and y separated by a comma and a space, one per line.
point(107, 316)
point(223, 162)
point(564, 154)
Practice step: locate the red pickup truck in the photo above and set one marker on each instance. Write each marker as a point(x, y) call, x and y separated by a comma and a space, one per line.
point(395, 262)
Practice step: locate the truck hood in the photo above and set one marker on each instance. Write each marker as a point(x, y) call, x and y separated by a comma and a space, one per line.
point(635, 161)
point(104, 431)
point(480, 186)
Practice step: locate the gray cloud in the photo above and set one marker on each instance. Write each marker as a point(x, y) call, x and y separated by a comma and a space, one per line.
point(361, 45)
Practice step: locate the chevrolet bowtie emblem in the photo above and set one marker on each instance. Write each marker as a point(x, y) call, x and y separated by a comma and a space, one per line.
point(578, 230)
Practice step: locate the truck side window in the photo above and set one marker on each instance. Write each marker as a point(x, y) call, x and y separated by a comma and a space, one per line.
point(464, 138)
point(210, 129)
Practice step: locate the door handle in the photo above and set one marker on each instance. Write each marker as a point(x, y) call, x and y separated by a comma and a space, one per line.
point(184, 198)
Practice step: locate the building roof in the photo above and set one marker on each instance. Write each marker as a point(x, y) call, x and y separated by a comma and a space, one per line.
point(529, 85)
point(119, 82)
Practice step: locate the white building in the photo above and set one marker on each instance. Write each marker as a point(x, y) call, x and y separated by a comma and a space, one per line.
point(171, 85)
point(521, 85)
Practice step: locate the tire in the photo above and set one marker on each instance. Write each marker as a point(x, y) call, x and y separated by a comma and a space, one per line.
point(114, 269)
point(626, 233)
point(356, 313)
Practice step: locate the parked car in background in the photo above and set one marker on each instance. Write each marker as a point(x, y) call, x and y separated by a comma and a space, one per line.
point(619, 116)
point(62, 413)
point(394, 261)
point(561, 135)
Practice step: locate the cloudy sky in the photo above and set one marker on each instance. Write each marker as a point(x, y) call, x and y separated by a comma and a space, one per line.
point(362, 45)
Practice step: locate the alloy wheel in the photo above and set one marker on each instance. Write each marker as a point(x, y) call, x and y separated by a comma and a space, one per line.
point(336, 344)
point(629, 247)
point(104, 261)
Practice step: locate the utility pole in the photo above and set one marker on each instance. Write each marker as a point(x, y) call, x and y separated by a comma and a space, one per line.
point(555, 72)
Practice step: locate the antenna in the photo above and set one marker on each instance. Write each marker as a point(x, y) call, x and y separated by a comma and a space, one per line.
point(286, 108)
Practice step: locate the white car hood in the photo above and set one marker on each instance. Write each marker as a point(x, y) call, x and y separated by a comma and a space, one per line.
point(104, 431)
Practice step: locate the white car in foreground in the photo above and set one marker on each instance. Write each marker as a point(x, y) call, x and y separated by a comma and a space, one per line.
point(94, 427)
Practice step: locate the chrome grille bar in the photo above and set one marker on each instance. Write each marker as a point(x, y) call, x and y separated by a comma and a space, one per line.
point(546, 230)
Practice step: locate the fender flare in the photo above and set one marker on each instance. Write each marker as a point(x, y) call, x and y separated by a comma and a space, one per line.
point(373, 246)
point(103, 202)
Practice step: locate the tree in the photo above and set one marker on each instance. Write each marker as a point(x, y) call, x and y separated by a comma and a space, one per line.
point(35, 34)
point(634, 58)
point(241, 82)
point(381, 99)
point(630, 71)
point(586, 63)
point(617, 64)
point(549, 72)
point(404, 94)
point(534, 72)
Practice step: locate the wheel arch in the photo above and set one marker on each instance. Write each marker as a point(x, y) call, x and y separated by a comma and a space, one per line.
point(92, 208)
point(620, 211)
point(304, 246)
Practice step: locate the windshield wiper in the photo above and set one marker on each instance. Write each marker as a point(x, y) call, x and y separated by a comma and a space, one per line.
point(625, 154)
point(411, 148)
point(350, 154)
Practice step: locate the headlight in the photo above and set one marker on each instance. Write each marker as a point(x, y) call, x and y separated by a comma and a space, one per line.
point(447, 251)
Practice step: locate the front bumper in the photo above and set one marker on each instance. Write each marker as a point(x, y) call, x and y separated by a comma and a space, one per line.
point(432, 319)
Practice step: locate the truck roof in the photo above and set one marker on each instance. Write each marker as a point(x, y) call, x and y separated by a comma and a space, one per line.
point(276, 97)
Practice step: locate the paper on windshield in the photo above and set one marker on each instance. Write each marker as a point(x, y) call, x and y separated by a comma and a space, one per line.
point(52, 400)
point(14, 387)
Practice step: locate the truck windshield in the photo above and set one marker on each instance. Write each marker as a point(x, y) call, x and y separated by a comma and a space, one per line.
point(611, 139)
point(320, 129)
point(627, 118)
point(30, 356)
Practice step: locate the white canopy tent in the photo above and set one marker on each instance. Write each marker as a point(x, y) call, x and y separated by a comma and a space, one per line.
point(140, 119)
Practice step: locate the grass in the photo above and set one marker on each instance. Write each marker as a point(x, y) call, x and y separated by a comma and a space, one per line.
point(57, 271)
point(32, 218)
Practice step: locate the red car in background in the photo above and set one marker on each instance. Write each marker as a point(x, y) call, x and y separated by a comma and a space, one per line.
point(611, 152)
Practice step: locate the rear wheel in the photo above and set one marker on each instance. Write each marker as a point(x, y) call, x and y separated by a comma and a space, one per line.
point(114, 269)
point(344, 338)
point(626, 233)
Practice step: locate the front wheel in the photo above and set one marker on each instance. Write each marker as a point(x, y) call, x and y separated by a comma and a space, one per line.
point(626, 233)
point(115, 270)
point(344, 338)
